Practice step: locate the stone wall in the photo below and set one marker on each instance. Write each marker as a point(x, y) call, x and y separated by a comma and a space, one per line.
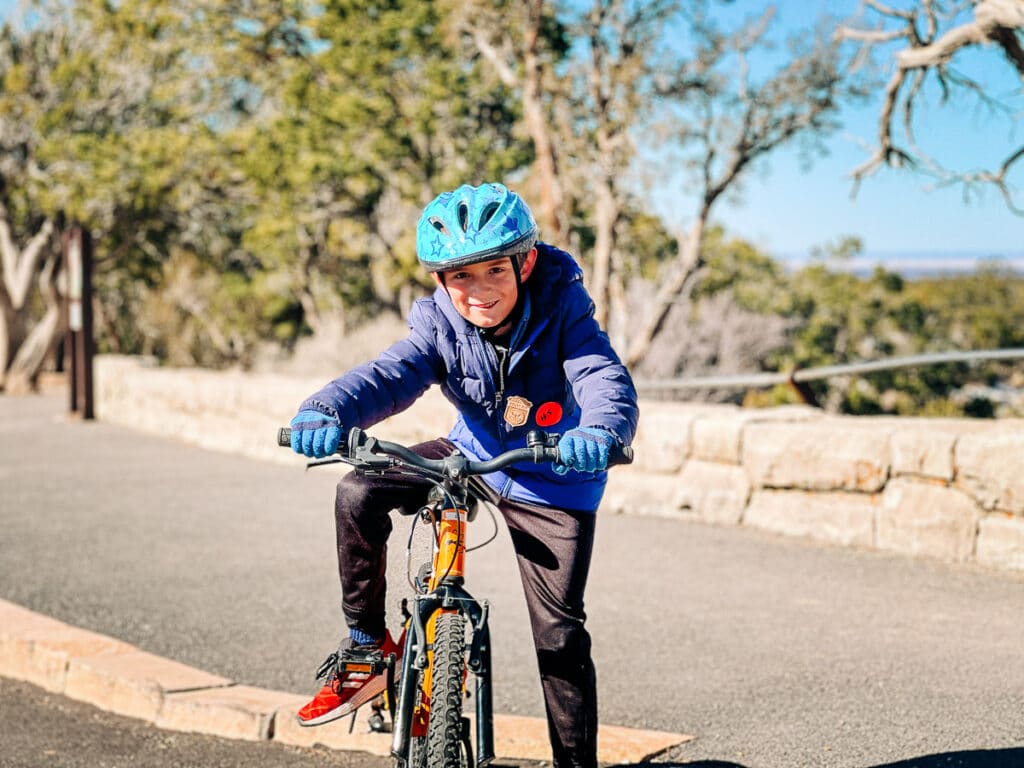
point(951, 489)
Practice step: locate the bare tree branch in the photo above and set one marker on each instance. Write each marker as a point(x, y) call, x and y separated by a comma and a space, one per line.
point(736, 122)
point(515, 55)
point(926, 52)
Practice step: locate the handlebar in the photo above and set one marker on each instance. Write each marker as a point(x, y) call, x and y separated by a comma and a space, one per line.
point(371, 453)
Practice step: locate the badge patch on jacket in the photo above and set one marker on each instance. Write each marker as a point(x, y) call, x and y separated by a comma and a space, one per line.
point(517, 411)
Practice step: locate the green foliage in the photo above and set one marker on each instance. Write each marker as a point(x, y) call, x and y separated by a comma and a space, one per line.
point(249, 169)
point(368, 126)
point(287, 147)
point(755, 280)
point(841, 317)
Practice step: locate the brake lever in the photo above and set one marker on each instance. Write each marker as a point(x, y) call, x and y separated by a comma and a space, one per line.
point(325, 462)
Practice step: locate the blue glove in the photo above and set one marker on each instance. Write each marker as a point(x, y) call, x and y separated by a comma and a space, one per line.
point(315, 434)
point(584, 449)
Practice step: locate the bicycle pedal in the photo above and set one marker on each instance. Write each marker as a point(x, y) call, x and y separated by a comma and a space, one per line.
point(372, 663)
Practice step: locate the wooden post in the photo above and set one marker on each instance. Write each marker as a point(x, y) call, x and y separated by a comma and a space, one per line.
point(78, 347)
point(803, 390)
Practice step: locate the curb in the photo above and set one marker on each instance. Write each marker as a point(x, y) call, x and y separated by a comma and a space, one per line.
point(120, 678)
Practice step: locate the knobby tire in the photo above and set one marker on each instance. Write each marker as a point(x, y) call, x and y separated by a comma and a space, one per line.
point(444, 731)
point(417, 752)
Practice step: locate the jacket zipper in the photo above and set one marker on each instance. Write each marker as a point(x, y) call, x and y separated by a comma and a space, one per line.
point(499, 394)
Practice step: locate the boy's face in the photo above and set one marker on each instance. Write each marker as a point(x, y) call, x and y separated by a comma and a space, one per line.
point(485, 293)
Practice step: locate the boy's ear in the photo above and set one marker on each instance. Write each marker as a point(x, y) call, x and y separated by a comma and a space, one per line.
point(529, 261)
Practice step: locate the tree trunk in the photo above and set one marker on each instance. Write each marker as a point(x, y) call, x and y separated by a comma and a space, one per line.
point(606, 213)
point(552, 200)
point(32, 353)
point(551, 218)
point(618, 315)
point(7, 320)
point(689, 263)
point(19, 270)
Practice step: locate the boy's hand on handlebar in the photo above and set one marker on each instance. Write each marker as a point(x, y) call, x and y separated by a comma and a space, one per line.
point(315, 434)
point(585, 449)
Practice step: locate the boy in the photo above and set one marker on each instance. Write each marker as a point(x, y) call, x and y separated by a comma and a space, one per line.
point(509, 336)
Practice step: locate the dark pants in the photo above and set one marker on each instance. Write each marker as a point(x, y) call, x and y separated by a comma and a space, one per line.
point(553, 548)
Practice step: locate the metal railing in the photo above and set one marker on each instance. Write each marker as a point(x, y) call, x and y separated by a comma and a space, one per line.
point(800, 376)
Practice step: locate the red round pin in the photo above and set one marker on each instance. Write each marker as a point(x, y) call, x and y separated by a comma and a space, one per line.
point(548, 414)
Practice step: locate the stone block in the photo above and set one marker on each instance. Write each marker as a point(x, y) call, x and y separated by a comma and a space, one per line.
point(838, 517)
point(36, 648)
point(923, 450)
point(618, 745)
point(134, 683)
point(831, 454)
point(920, 518)
point(234, 712)
point(990, 466)
point(526, 738)
point(515, 737)
point(715, 493)
point(1001, 541)
point(634, 492)
point(664, 436)
point(719, 437)
point(334, 735)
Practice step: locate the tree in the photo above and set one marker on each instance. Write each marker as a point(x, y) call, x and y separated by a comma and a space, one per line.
point(584, 76)
point(724, 119)
point(374, 122)
point(107, 115)
point(931, 38)
point(523, 42)
point(626, 69)
point(29, 305)
point(734, 322)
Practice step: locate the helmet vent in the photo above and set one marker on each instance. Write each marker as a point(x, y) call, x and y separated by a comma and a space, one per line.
point(439, 225)
point(464, 217)
point(488, 213)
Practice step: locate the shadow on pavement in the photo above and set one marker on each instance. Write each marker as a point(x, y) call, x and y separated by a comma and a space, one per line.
point(981, 758)
point(697, 764)
point(978, 758)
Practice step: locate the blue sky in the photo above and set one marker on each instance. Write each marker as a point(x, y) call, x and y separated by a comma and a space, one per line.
point(786, 210)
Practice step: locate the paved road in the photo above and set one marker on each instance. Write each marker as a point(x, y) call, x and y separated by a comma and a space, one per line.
point(773, 652)
point(44, 729)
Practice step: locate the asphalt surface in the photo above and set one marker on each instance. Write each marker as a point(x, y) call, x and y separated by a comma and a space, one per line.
point(45, 729)
point(772, 652)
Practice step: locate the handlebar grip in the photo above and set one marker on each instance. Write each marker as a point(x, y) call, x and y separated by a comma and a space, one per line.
point(284, 437)
point(623, 455)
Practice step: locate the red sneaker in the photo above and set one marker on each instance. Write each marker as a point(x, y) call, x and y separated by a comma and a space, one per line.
point(351, 680)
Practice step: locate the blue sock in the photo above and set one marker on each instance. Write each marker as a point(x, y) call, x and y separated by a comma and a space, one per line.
point(359, 637)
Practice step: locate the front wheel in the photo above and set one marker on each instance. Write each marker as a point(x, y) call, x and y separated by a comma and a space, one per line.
point(444, 731)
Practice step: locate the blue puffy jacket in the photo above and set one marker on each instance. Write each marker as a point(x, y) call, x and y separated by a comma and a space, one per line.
point(561, 373)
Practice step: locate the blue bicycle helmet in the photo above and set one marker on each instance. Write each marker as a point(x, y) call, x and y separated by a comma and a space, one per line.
point(473, 224)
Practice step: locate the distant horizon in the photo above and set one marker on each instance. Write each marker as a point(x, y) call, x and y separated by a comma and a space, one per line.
point(917, 263)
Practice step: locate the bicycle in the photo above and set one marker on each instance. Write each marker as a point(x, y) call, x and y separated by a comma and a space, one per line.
point(425, 699)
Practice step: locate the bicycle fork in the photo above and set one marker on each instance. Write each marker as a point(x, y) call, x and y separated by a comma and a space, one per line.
point(447, 595)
